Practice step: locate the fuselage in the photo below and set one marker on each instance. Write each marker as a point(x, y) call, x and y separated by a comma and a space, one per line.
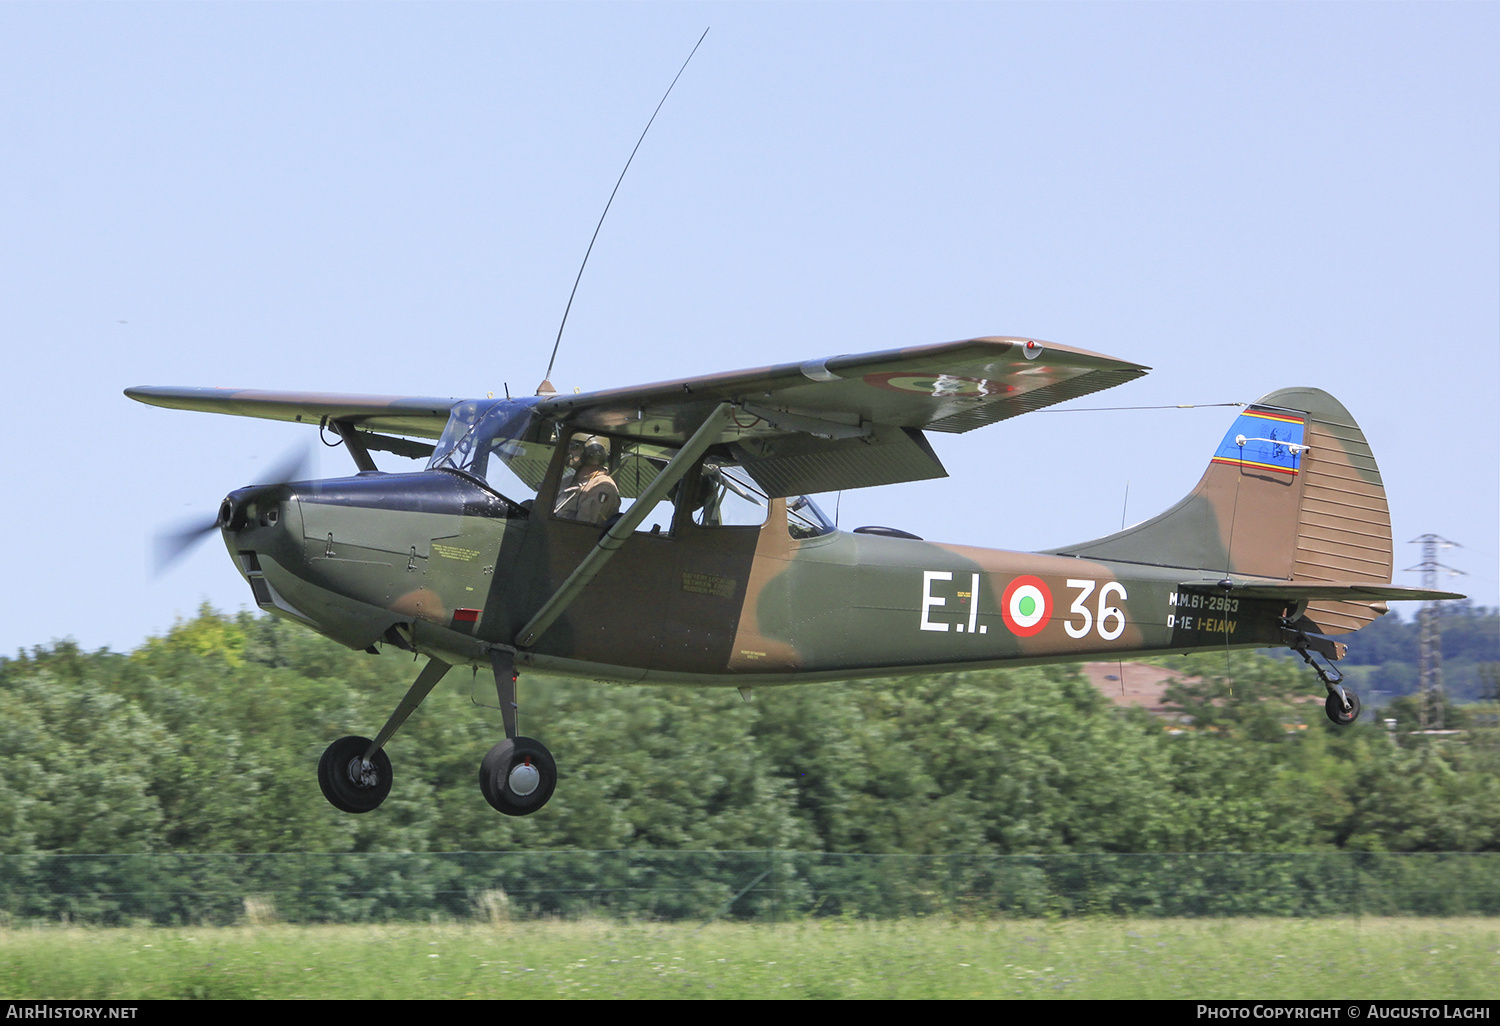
point(439, 562)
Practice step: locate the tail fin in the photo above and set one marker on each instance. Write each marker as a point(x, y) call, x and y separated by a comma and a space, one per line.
point(1291, 493)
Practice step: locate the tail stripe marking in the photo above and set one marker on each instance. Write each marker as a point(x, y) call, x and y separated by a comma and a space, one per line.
point(1264, 440)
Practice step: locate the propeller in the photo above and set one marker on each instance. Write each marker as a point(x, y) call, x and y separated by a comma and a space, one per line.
point(172, 544)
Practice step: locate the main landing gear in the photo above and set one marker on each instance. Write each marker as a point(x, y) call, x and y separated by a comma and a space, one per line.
point(516, 777)
point(352, 779)
point(1342, 704)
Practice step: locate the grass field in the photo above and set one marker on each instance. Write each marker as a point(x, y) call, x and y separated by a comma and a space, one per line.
point(1087, 958)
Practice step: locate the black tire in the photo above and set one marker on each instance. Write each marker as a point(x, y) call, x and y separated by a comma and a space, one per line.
point(348, 786)
point(1335, 709)
point(496, 783)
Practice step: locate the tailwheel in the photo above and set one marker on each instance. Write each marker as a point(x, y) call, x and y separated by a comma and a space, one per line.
point(349, 781)
point(1342, 705)
point(518, 776)
point(1335, 707)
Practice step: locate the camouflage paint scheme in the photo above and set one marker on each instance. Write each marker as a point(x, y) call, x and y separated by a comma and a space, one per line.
point(1287, 534)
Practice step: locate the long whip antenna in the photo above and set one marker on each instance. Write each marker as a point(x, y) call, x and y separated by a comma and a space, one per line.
point(550, 362)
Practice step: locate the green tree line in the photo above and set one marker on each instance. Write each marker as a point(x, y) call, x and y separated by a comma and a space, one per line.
point(206, 740)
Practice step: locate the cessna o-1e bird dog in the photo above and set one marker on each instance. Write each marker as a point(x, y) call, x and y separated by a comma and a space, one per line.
point(670, 539)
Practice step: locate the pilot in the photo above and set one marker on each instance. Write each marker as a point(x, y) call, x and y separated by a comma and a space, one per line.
point(592, 496)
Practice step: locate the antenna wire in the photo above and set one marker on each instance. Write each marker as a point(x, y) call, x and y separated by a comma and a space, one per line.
point(550, 362)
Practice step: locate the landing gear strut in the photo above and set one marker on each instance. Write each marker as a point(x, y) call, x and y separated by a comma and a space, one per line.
point(355, 772)
point(1342, 704)
point(519, 774)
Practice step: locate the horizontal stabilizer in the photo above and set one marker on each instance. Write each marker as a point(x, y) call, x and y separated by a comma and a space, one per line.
point(1311, 591)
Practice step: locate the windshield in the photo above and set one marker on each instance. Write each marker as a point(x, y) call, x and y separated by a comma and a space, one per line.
point(485, 438)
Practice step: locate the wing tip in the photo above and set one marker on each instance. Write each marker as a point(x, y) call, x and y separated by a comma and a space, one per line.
point(1113, 362)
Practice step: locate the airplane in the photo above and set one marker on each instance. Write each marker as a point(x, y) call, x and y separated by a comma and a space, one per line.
point(668, 537)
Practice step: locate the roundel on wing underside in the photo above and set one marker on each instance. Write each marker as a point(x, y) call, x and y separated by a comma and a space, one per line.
point(1026, 606)
point(939, 386)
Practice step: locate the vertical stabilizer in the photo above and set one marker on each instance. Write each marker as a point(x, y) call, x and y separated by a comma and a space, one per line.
point(1291, 493)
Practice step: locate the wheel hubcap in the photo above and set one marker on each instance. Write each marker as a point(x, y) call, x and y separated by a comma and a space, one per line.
point(362, 773)
point(524, 778)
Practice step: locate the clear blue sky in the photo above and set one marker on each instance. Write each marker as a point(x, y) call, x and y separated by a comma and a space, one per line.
point(395, 198)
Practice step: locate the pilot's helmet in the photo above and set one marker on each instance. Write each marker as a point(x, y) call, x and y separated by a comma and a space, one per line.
point(595, 450)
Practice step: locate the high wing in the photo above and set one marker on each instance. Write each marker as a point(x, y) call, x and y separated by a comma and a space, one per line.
point(816, 426)
point(853, 421)
point(951, 386)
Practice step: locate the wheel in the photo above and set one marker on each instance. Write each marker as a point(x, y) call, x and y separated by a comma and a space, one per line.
point(517, 776)
point(349, 783)
point(1336, 712)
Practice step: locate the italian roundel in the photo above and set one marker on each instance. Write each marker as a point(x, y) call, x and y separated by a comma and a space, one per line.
point(1026, 606)
point(939, 386)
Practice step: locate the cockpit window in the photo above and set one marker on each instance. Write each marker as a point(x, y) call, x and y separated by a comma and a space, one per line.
point(501, 442)
point(804, 519)
point(730, 498)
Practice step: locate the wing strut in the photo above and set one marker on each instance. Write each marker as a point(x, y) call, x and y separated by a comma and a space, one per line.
point(353, 443)
point(611, 540)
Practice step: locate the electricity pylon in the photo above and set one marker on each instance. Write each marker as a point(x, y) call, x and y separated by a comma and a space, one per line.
point(1430, 665)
